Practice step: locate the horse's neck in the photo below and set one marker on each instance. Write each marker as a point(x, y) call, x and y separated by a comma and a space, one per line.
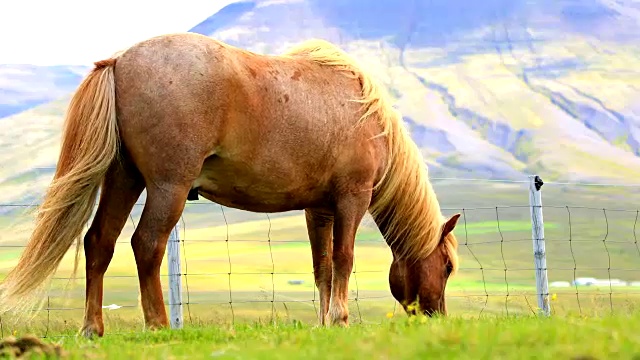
point(409, 221)
point(383, 222)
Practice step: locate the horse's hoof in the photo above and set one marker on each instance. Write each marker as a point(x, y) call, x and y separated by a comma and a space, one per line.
point(90, 332)
point(155, 326)
point(342, 321)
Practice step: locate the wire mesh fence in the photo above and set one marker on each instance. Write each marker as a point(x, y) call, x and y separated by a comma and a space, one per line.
point(238, 266)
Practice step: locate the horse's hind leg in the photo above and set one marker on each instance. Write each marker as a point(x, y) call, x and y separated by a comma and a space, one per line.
point(320, 227)
point(162, 210)
point(121, 188)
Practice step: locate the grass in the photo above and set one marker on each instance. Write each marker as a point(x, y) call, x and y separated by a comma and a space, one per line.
point(581, 242)
point(495, 234)
point(523, 337)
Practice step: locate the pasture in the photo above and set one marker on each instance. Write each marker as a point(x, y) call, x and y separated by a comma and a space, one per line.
point(457, 338)
point(229, 284)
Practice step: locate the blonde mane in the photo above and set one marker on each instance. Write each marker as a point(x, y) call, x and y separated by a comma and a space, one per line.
point(404, 197)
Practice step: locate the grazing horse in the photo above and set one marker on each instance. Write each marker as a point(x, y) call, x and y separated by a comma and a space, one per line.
point(305, 130)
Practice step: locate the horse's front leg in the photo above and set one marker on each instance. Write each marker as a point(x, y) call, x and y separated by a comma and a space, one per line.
point(350, 210)
point(319, 227)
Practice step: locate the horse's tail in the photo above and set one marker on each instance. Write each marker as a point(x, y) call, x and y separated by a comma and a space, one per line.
point(90, 143)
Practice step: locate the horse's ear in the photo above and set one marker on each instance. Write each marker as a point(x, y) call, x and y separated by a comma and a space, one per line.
point(450, 224)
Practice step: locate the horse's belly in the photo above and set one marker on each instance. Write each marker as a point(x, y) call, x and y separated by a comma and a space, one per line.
point(250, 190)
point(256, 199)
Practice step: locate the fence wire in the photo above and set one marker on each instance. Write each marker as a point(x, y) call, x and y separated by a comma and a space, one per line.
point(265, 272)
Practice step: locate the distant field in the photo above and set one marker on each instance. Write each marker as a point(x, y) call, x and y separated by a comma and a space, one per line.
point(494, 234)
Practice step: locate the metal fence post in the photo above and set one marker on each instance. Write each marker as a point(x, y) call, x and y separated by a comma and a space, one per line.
point(539, 252)
point(175, 278)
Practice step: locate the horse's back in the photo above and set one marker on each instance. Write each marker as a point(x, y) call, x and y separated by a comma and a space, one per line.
point(285, 122)
point(194, 74)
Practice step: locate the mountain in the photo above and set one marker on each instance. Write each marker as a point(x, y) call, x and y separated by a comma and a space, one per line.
point(493, 89)
point(25, 86)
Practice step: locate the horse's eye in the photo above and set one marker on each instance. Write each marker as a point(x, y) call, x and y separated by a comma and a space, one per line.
point(449, 268)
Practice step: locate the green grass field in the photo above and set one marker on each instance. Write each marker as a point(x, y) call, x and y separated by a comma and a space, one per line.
point(491, 309)
point(524, 337)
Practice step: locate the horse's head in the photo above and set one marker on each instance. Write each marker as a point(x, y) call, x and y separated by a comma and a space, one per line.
point(422, 282)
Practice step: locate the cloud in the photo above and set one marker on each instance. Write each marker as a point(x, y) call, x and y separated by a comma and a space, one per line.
point(75, 32)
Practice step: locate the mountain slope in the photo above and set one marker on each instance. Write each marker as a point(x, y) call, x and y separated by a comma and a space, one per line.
point(507, 86)
point(495, 89)
point(25, 86)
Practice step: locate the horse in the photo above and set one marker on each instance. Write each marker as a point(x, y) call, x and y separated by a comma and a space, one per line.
point(177, 114)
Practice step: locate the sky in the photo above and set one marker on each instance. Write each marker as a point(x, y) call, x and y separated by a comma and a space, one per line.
point(75, 32)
